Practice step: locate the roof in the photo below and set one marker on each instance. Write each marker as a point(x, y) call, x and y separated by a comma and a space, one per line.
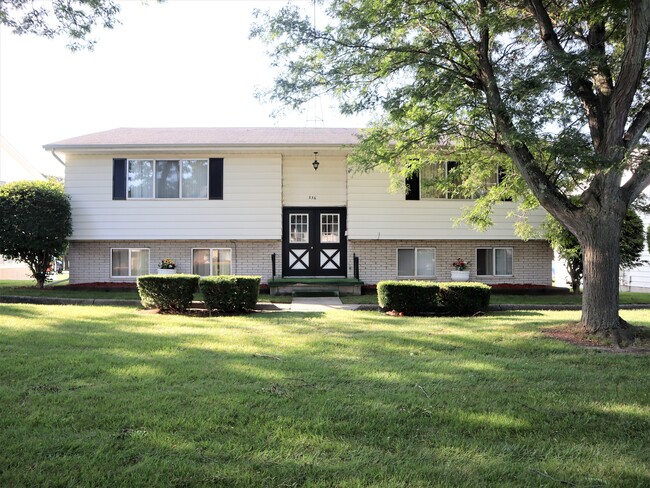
point(210, 137)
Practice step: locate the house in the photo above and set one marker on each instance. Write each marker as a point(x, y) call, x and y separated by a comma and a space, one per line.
point(14, 167)
point(236, 200)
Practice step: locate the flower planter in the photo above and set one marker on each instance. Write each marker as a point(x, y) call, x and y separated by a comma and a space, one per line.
point(460, 275)
point(166, 271)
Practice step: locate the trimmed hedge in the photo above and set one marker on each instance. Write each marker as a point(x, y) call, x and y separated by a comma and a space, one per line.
point(230, 293)
point(409, 297)
point(464, 298)
point(420, 297)
point(169, 293)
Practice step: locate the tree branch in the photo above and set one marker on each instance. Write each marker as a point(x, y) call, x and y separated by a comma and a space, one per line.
point(640, 178)
point(581, 87)
point(632, 66)
point(638, 127)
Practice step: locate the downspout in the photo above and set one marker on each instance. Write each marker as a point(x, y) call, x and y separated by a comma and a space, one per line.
point(56, 156)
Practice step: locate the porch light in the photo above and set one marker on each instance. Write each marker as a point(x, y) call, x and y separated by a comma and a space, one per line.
point(315, 164)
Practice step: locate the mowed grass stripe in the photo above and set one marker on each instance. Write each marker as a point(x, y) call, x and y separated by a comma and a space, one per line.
point(109, 396)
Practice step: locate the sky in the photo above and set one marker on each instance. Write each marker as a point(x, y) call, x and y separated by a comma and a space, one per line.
point(182, 63)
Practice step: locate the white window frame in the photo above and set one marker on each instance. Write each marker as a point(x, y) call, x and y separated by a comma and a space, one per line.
point(415, 261)
point(302, 214)
point(338, 227)
point(494, 262)
point(448, 192)
point(212, 249)
point(180, 182)
point(130, 249)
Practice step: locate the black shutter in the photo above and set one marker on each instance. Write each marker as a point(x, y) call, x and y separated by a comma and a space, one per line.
point(215, 191)
point(413, 186)
point(119, 179)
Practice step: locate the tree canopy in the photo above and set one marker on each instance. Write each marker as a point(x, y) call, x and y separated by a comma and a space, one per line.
point(558, 92)
point(35, 222)
point(72, 18)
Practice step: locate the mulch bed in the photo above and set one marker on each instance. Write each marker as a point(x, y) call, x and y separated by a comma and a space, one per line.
point(575, 334)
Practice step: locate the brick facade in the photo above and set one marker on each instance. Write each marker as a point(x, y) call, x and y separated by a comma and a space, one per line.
point(90, 261)
point(378, 259)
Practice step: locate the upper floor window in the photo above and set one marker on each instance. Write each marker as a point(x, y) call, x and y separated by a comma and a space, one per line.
point(184, 178)
point(440, 181)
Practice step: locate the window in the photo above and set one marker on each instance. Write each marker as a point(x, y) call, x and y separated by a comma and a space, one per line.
point(211, 262)
point(418, 262)
point(298, 228)
point(495, 261)
point(329, 228)
point(184, 178)
point(425, 183)
point(431, 175)
point(127, 263)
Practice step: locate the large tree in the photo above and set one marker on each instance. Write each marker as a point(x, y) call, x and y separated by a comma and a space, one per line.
point(35, 223)
point(560, 88)
point(568, 248)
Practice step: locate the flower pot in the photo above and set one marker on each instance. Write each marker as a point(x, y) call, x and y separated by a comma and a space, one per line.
point(166, 271)
point(460, 275)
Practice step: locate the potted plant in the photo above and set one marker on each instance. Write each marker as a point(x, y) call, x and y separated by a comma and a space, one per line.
point(460, 271)
point(167, 266)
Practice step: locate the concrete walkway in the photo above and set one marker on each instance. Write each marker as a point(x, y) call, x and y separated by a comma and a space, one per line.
point(318, 304)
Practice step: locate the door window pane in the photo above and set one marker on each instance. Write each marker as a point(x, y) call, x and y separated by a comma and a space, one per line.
point(426, 264)
point(329, 228)
point(167, 179)
point(406, 262)
point(195, 178)
point(120, 262)
point(140, 179)
point(298, 228)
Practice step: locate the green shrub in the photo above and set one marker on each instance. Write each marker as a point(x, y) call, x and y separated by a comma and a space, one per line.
point(169, 293)
point(464, 298)
point(409, 297)
point(230, 293)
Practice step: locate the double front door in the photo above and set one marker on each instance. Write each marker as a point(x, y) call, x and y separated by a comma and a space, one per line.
point(314, 242)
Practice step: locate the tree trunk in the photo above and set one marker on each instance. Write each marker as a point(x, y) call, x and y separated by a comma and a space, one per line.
point(601, 257)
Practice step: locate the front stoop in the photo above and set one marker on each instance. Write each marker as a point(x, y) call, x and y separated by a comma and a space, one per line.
point(317, 287)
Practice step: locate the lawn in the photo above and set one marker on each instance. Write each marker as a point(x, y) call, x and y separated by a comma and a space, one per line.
point(61, 290)
point(111, 396)
point(568, 299)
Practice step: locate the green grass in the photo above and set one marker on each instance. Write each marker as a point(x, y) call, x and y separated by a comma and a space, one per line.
point(109, 396)
point(569, 299)
point(59, 290)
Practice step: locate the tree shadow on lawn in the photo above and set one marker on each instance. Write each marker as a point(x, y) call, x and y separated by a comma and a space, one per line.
point(141, 399)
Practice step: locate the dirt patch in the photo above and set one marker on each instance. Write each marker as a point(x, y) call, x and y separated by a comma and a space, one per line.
point(575, 334)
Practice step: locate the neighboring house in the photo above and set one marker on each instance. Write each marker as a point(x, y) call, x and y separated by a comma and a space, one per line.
point(225, 200)
point(638, 279)
point(14, 167)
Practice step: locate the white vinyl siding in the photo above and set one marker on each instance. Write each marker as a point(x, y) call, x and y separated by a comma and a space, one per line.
point(128, 262)
point(302, 186)
point(374, 212)
point(251, 207)
point(495, 261)
point(212, 262)
point(416, 263)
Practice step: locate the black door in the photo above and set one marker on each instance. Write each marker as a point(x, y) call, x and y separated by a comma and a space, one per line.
point(314, 242)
